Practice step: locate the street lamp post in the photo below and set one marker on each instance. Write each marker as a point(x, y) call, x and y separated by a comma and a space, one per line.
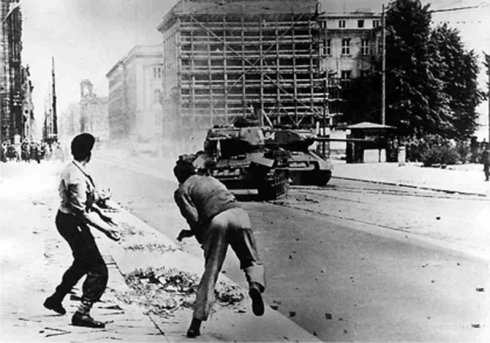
point(383, 66)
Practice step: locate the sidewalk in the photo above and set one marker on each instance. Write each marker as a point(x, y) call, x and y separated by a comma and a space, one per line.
point(463, 179)
point(33, 257)
point(459, 225)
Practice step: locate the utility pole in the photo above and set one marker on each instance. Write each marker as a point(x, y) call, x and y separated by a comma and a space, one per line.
point(383, 66)
point(55, 119)
point(326, 105)
point(326, 92)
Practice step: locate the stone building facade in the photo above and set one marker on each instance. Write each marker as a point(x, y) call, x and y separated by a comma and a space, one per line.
point(11, 73)
point(28, 106)
point(89, 114)
point(351, 49)
point(352, 44)
point(94, 116)
point(135, 88)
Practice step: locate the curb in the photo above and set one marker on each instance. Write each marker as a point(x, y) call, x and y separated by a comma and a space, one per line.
point(449, 191)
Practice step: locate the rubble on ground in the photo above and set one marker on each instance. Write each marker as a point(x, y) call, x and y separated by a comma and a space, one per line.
point(151, 247)
point(228, 294)
point(163, 291)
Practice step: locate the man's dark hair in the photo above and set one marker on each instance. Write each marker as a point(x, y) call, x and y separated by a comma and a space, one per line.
point(81, 146)
point(184, 169)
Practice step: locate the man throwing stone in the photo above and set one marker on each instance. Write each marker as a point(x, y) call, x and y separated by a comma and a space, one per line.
point(77, 213)
point(216, 220)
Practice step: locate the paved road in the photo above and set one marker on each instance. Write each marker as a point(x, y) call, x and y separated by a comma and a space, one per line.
point(343, 263)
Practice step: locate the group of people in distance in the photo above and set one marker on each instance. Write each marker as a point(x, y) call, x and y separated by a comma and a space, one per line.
point(29, 151)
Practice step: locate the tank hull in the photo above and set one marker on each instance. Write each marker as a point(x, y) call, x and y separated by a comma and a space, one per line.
point(239, 159)
point(304, 166)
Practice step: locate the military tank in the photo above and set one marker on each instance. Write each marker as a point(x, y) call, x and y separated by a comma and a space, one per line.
point(238, 157)
point(303, 166)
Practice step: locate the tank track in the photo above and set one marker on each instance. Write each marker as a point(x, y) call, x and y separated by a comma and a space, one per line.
point(273, 186)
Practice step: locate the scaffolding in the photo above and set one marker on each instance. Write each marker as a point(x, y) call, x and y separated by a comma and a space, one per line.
point(228, 59)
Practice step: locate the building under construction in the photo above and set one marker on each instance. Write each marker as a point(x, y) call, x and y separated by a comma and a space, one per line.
point(225, 59)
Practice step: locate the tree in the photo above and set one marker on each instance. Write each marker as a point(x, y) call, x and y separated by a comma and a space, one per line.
point(414, 97)
point(457, 69)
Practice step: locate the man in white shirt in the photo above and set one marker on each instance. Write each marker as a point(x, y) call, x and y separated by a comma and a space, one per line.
point(78, 211)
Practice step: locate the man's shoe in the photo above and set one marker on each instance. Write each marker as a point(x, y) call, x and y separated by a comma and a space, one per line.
point(257, 302)
point(191, 333)
point(194, 328)
point(85, 320)
point(54, 305)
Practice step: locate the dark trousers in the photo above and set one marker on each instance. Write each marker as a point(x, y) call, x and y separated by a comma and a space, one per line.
point(486, 168)
point(87, 260)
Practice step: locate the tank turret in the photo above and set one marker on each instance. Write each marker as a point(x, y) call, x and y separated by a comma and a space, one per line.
point(289, 139)
point(304, 165)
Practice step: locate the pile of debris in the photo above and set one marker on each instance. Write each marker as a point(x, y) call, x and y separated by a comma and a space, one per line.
point(151, 247)
point(163, 291)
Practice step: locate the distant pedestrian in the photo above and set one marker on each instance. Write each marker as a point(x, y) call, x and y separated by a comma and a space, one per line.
point(485, 159)
point(46, 151)
point(35, 153)
point(3, 152)
point(18, 152)
point(78, 211)
point(10, 152)
point(216, 220)
point(26, 151)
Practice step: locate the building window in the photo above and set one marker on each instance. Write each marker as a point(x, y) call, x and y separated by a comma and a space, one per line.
point(157, 72)
point(156, 96)
point(365, 47)
point(345, 46)
point(342, 24)
point(376, 23)
point(345, 79)
point(360, 23)
point(326, 47)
